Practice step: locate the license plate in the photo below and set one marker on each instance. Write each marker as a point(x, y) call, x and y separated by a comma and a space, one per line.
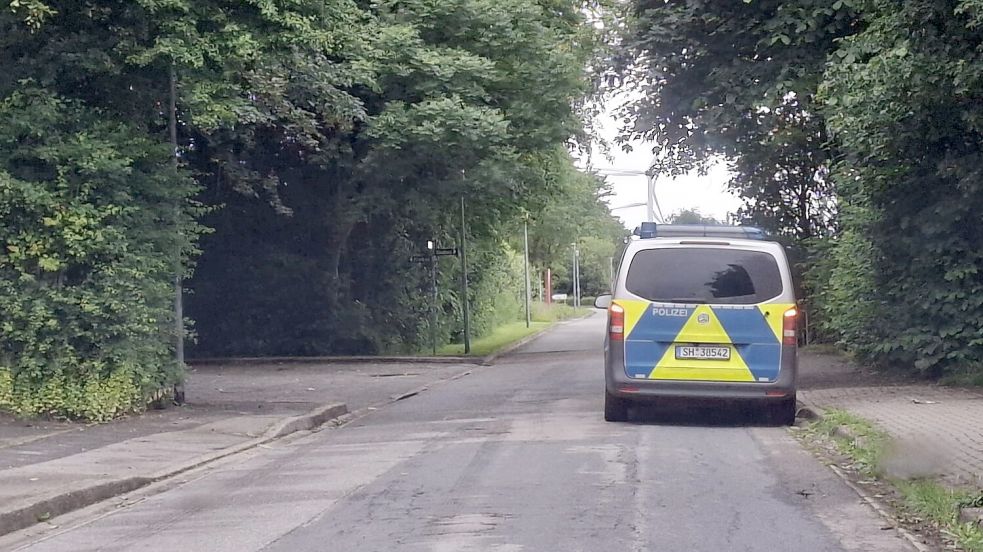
point(702, 352)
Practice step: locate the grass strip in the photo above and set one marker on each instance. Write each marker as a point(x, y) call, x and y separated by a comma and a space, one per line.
point(543, 316)
point(865, 444)
point(855, 437)
point(498, 339)
point(941, 505)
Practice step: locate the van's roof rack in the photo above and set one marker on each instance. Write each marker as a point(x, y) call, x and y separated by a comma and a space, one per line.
point(652, 230)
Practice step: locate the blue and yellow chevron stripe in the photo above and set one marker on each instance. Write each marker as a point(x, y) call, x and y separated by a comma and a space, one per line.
point(752, 332)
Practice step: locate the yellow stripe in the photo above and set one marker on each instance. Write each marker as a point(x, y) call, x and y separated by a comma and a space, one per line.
point(773, 314)
point(671, 368)
point(634, 309)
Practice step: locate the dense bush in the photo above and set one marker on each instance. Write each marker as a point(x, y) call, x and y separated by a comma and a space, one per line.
point(93, 217)
point(902, 101)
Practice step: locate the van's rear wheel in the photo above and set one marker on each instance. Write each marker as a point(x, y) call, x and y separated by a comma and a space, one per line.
point(783, 413)
point(615, 408)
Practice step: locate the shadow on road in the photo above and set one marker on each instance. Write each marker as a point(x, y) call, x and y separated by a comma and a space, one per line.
point(708, 415)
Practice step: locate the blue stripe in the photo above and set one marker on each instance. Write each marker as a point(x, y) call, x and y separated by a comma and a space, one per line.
point(754, 340)
point(649, 340)
point(745, 325)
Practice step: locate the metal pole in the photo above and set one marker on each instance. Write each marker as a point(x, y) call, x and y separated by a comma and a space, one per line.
point(433, 305)
point(464, 278)
point(576, 276)
point(650, 200)
point(573, 276)
point(525, 266)
point(178, 266)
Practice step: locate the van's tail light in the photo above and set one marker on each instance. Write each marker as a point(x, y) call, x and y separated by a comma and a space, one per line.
point(616, 322)
point(790, 327)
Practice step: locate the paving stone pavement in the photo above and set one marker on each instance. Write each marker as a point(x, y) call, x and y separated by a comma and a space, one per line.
point(936, 431)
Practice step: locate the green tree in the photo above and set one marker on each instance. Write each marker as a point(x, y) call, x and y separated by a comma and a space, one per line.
point(691, 216)
point(901, 100)
point(738, 80)
point(86, 262)
point(449, 113)
point(328, 140)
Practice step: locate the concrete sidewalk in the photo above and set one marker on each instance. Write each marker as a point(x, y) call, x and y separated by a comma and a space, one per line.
point(936, 431)
point(49, 468)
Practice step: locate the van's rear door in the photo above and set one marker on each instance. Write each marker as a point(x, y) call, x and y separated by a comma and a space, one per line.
point(709, 313)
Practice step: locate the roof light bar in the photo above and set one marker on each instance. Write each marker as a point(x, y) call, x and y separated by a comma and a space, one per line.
point(648, 230)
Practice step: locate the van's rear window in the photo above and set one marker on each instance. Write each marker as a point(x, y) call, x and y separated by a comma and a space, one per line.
point(704, 275)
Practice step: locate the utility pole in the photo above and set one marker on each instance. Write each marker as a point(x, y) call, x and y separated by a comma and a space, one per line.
point(464, 281)
point(525, 266)
point(178, 266)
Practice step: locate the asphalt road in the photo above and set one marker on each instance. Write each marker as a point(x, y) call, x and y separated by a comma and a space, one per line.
point(514, 457)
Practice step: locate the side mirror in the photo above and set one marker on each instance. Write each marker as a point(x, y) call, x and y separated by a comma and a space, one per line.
point(602, 301)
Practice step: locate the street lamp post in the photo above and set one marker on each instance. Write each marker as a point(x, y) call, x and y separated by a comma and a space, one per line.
point(576, 276)
point(432, 250)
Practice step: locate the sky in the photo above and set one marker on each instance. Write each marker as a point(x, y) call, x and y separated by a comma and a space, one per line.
point(706, 194)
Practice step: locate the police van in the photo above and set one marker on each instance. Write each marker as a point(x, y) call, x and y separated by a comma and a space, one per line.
point(701, 312)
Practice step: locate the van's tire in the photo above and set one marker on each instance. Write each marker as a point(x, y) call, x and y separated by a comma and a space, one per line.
point(615, 408)
point(783, 413)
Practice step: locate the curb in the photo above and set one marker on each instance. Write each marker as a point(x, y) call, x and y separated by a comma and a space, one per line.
point(808, 412)
point(881, 511)
point(80, 498)
point(814, 413)
point(334, 360)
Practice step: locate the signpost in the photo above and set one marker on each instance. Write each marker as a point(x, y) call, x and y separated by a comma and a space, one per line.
point(433, 252)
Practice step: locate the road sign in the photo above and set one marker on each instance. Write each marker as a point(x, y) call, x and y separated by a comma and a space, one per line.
point(441, 251)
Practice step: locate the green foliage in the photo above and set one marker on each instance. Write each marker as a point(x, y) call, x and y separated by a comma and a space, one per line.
point(574, 210)
point(739, 80)
point(86, 266)
point(901, 103)
point(940, 505)
point(497, 287)
point(328, 139)
point(857, 438)
point(556, 312)
point(499, 338)
point(691, 216)
point(464, 98)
